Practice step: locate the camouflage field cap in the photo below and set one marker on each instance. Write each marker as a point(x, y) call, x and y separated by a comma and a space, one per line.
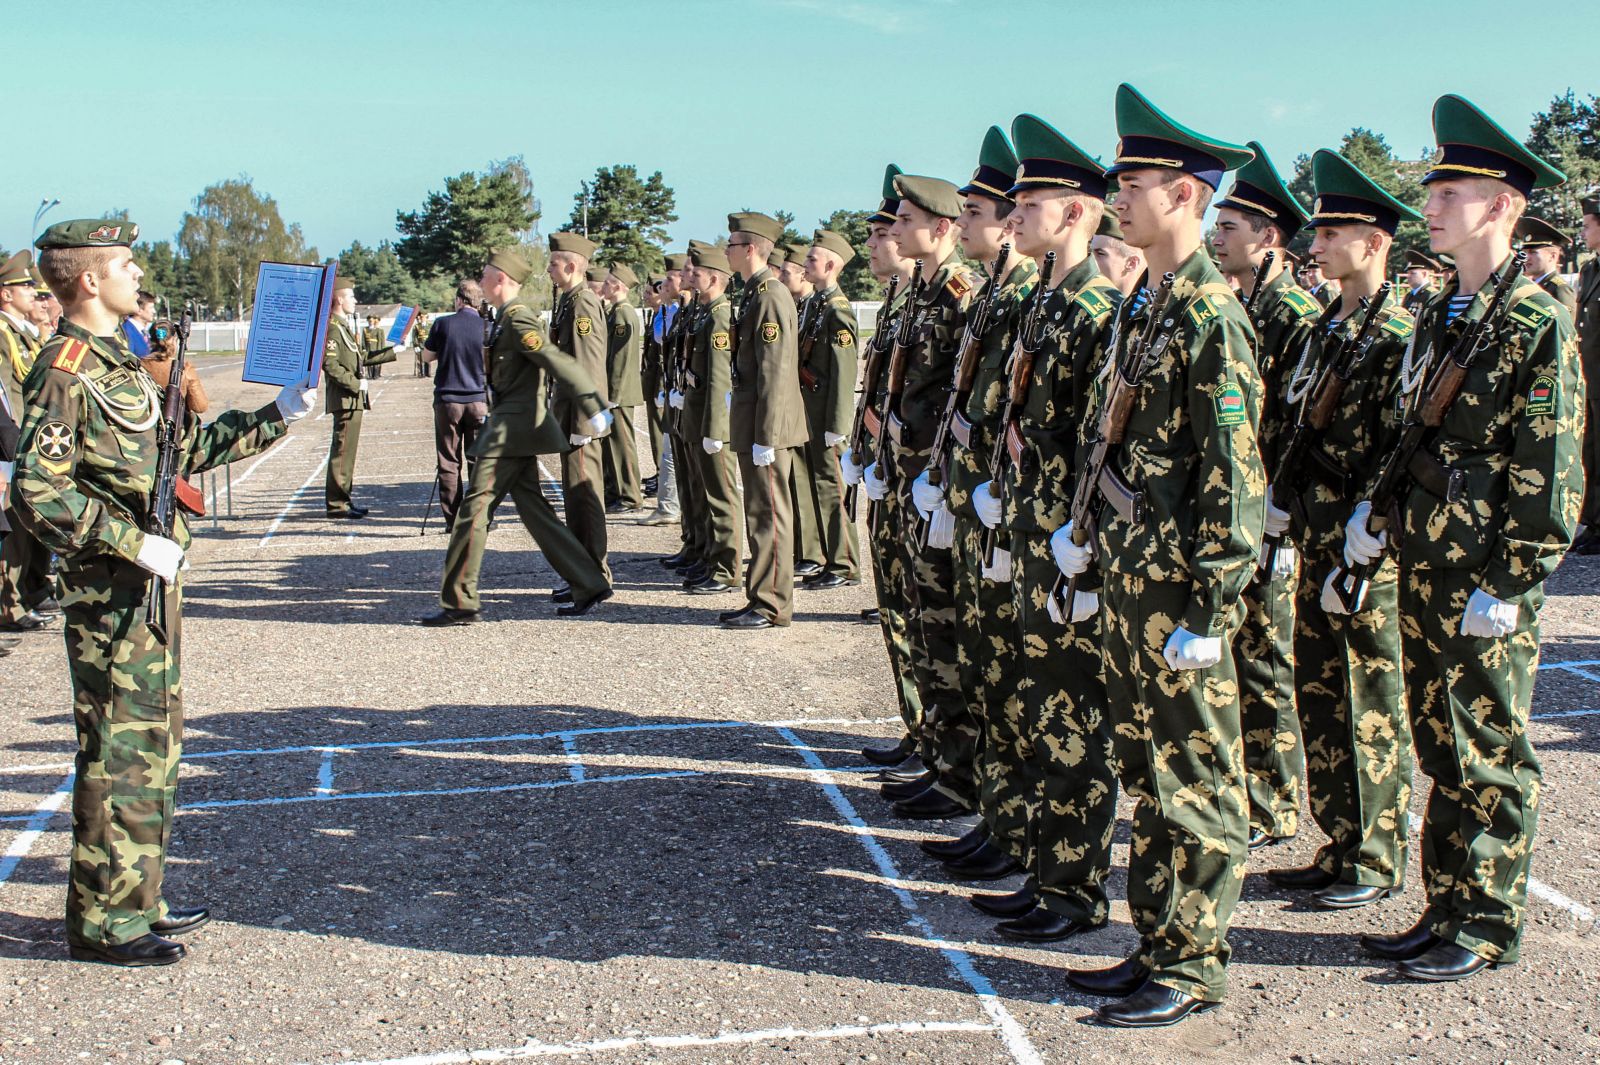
point(1471, 144)
point(937, 196)
point(1346, 196)
point(827, 238)
point(1148, 138)
point(88, 233)
point(997, 168)
point(1048, 160)
point(1258, 189)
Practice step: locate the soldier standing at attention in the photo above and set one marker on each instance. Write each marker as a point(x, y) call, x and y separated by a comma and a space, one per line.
point(375, 344)
point(345, 365)
point(26, 599)
point(419, 344)
point(767, 421)
point(1589, 349)
point(524, 369)
point(1350, 694)
point(1257, 216)
point(85, 472)
point(706, 409)
point(624, 347)
point(1120, 262)
point(578, 328)
point(1547, 249)
point(1421, 273)
point(1473, 565)
point(1174, 569)
point(789, 270)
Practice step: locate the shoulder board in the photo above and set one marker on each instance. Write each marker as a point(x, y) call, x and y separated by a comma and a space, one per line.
point(839, 300)
point(1301, 302)
point(1400, 324)
point(959, 285)
point(762, 287)
point(1202, 310)
point(1093, 300)
point(1530, 313)
point(70, 357)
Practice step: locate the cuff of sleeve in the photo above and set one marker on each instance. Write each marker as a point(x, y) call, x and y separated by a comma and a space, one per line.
point(1503, 585)
point(125, 540)
point(1205, 615)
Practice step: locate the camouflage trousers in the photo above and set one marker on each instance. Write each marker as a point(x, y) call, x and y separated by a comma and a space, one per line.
point(1071, 779)
point(1263, 657)
point(1351, 701)
point(888, 580)
point(1180, 756)
point(340, 481)
point(986, 657)
point(1469, 700)
point(127, 705)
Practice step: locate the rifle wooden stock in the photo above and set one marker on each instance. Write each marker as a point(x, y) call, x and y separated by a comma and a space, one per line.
point(1019, 375)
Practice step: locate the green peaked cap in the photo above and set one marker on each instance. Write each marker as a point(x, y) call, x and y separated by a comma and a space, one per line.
point(890, 207)
point(997, 167)
point(1049, 160)
point(1471, 144)
point(1148, 138)
point(1346, 196)
point(1258, 188)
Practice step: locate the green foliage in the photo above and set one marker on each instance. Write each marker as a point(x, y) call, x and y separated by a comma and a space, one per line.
point(856, 280)
point(1402, 179)
point(230, 231)
point(454, 231)
point(1568, 135)
point(380, 277)
point(626, 216)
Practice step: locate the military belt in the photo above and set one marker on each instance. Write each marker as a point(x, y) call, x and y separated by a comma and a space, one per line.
point(1128, 503)
point(1331, 473)
point(1436, 478)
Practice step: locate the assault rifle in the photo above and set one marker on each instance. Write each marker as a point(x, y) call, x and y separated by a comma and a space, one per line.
point(172, 491)
point(869, 383)
point(1019, 371)
point(894, 382)
point(808, 342)
point(1258, 282)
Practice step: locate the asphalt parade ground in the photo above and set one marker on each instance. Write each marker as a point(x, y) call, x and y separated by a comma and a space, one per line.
point(637, 837)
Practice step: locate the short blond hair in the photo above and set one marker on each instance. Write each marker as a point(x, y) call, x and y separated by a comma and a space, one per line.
point(62, 267)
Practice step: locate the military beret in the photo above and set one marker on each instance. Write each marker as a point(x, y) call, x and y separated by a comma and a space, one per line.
point(342, 283)
point(1048, 160)
point(710, 257)
point(889, 206)
point(1258, 189)
point(88, 233)
point(596, 273)
point(1537, 233)
point(997, 168)
point(776, 257)
point(796, 253)
point(1471, 144)
point(575, 243)
point(512, 262)
point(935, 195)
point(828, 239)
point(1148, 138)
point(18, 270)
point(1345, 196)
point(757, 224)
point(1109, 226)
point(677, 260)
point(624, 274)
point(1416, 260)
point(1590, 204)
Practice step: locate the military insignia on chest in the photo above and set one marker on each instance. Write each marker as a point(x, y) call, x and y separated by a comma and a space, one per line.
point(585, 326)
point(1541, 396)
point(532, 340)
point(719, 341)
point(844, 339)
point(55, 440)
point(769, 332)
point(1230, 405)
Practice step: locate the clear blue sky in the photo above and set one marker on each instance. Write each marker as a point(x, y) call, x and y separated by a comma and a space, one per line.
point(346, 110)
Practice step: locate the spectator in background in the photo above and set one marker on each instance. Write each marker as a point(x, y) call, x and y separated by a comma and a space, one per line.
point(163, 348)
point(138, 323)
point(460, 395)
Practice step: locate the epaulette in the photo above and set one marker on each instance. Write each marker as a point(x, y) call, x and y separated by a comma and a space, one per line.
point(1301, 302)
point(1094, 301)
point(70, 358)
point(1528, 312)
point(1202, 310)
point(959, 285)
point(1400, 323)
point(763, 286)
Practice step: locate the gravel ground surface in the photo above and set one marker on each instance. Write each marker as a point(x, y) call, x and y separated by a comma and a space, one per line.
point(637, 837)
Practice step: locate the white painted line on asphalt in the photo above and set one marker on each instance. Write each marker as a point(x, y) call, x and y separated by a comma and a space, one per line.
point(345, 796)
point(575, 769)
point(48, 807)
point(1538, 888)
point(535, 1049)
point(257, 464)
point(1553, 715)
point(284, 513)
point(1010, 1032)
point(325, 772)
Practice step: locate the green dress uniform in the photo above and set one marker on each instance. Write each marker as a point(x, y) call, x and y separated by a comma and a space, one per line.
point(831, 362)
point(1183, 559)
point(624, 347)
point(1588, 320)
point(707, 415)
point(86, 468)
point(807, 537)
point(651, 382)
point(524, 371)
point(24, 562)
point(578, 329)
point(344, 366)
point(1514, 437)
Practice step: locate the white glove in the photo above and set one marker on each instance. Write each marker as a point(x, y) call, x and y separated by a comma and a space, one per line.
point(1085, 605)
point(1284, 561)
point(926, 497)
point(762, 455)
point(1360, 545)
point(661, 401)
point(160, 556)
point(1489, 618)
point(987, 505)
point(832, 439)
point(1331, 603)
point(1071, 559)
point(711, 446)
point(942, 528)
point(297, 399)
point(363, 384)
point(848, 468)
point(877, 488)
point(675, 400)
point(578, 439)
point(600, 424)
point(1277, 520)
point(1185, 650)
point(998, 571)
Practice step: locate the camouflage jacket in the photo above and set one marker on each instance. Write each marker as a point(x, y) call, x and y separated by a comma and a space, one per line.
point(709, 395)
point(1283, 315)
point(344, 364)
point(936, 323)
point(1058, 414)
point(86, 463)
point(624, 349)
point(888, 322)
point(969, 463)
point(829, 329)
point(524, 367)
point(578, 329)
point(1515, 433)
point(767, 408)
point(1191, 450)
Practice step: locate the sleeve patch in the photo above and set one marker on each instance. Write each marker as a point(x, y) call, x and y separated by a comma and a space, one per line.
point(1202, 311)
point(585, 326)
point(55, 440)
point(845, 338)
point(1300, 302)
point(532, 340)
point(1401, 325)
point(1530, 314)
point(1541, 396)
point(719, 341)
point(1230, 405)
point(769, 332)
point(71, 355)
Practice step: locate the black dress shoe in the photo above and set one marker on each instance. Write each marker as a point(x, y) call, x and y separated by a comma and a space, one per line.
point(870, 616)
point(561, 595)
point(148, 949)
point(1260, 837)
point(352, 514)
point(988, 862)
point(1444, 963)
point(450, 617)
point(1309, 878)
point(952, 850)
point(807, 569)
point(1039, 925)
point(725, 615)
point(1152, 1006)
point(694, 574)
point(823, 581)
point(709, 586)
point(619, 507)
point(26, 623)
point(181, 922)
point(1123, 978)
point(577, 609)
point(1350, 896)
point(1011, 904)
point(931, 805)
point(673, 561)
point(1414, 942)
point(890, 755)
point(49, 608)
point(910, 789)
point(747, 619)
point(913, 770)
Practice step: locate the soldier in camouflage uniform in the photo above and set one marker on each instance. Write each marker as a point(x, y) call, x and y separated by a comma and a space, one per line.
point(707, 425)
point(1350, 692)
point(624, 347)
point(26, 599)
point(1069, 781)
point(1174, 565)
point(345, 366)
point(1472, 566)
point(1259, 215)
point(85, 474)
point(578, 328)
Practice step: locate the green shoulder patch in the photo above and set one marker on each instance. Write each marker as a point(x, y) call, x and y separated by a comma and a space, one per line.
point(1400, 325)
point(1301, 302)
point(1229, 402)
point(1094, 302)
point(1530, 314)
point(1541, 396)
point(1202, 310)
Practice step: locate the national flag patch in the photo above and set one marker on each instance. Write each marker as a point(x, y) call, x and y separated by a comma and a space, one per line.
point(1230, 405)
point(1541, 396)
